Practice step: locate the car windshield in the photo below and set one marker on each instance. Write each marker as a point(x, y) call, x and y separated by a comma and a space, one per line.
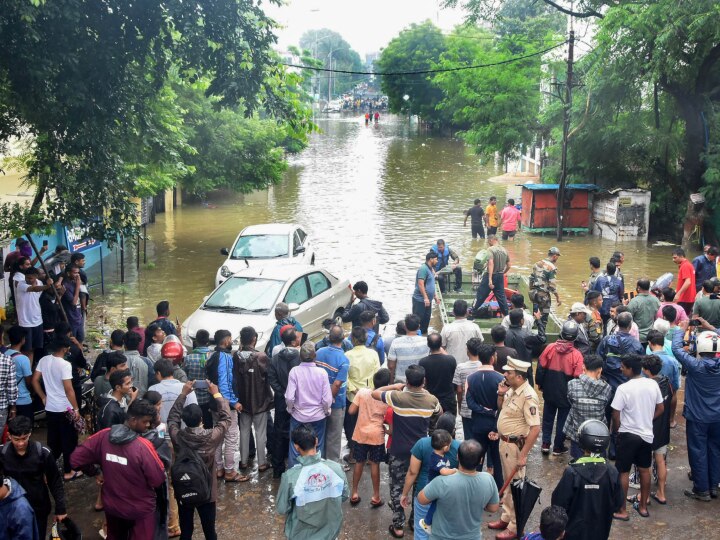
point(245, 294)
point(261, 246)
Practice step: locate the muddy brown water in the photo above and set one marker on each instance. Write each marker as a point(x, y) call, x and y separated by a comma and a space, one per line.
point(374, 199)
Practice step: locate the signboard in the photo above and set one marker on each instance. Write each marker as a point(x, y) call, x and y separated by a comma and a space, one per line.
point(78, 240)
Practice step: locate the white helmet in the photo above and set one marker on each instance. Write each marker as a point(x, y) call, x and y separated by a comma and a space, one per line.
point(708, 342)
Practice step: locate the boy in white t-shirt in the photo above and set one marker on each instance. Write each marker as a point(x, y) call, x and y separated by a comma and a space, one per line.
point(58, 397)
point(636, 403)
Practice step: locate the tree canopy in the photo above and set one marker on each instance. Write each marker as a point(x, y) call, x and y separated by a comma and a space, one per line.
point(326, 45)
point(89, 84)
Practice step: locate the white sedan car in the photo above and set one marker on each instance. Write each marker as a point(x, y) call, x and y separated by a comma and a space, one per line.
point(271, 244)
point(248, 298)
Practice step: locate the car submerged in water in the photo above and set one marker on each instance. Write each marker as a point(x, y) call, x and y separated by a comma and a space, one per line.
point(270, 244)
point(249, 296)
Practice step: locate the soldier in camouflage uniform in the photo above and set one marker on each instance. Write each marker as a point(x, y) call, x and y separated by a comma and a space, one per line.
point(542, 284)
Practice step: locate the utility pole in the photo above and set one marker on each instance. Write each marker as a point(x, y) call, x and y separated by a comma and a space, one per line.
point(330, 79)
point(566, 131)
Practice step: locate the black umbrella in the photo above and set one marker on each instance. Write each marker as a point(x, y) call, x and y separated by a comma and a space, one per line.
point(525, 494)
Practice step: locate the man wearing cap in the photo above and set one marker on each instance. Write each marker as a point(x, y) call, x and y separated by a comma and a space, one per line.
point(425, 291)
point(494, 278)
point(581, 315)
point(518, 429)
point(542, 284)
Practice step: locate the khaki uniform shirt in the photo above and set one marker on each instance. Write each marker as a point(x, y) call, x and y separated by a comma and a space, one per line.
point(520, 411)
point(543, 276)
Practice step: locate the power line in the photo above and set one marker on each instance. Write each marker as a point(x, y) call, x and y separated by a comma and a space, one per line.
point(427, 71)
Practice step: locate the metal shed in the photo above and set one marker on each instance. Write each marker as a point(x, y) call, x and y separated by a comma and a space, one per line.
point(622, 214)
point(539, 208)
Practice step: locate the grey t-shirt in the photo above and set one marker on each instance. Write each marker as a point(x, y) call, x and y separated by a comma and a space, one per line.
point(406, 351)
point(461, 500)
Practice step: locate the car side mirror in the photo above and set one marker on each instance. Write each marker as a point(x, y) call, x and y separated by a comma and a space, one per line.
point(224, 251)
point(293, 307)
point(300, 249)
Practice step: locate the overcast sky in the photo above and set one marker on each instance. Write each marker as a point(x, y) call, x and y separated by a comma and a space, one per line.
point(368, 25)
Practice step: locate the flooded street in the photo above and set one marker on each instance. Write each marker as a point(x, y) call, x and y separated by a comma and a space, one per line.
point(373, 199)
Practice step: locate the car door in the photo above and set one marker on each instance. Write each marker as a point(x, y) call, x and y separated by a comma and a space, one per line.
point(298, 258)
point(307, 244)
point(299, 293)
point(322, 301)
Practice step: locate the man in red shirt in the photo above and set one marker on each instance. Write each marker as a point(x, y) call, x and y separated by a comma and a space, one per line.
point(509, 218)
point(685, 295)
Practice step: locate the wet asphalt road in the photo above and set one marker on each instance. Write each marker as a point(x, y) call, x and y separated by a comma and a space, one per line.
point(247, 511)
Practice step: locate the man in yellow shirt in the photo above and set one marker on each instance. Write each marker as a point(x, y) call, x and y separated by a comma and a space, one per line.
point(492, 217)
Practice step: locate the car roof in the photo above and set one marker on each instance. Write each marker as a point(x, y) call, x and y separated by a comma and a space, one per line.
point(284, 273)
point(270, 228)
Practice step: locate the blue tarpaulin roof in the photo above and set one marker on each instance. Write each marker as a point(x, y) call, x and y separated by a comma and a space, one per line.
point(549, 187)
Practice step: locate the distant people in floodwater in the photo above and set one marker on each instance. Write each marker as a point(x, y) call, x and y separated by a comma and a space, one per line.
point(377, 117)
point(367, 118)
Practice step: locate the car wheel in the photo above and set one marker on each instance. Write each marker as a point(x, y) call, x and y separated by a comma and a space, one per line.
point(337, 317)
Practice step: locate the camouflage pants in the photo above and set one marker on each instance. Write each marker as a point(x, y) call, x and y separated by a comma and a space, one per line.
point(398, 466)
point(541, 301)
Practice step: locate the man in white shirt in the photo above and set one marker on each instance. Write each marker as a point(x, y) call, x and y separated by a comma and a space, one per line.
point(635, 405)
point(456, 334)
point(27, 299)
point(407, 350)
point(58, 397)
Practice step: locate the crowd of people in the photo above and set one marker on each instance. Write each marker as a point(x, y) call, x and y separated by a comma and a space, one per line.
point(169, 424)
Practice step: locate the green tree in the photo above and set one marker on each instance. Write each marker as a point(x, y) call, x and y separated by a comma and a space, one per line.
point(86, 83)
point(417, 48)
point(496, 108)
point(325, 46)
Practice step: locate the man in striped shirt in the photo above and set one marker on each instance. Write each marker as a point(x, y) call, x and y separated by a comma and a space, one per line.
point(406, 350)
point(415, 413)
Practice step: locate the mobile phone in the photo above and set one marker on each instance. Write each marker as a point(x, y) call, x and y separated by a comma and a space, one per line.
point(177, 321)
point(134, 388)
point(304, 338)
point(200, 385)
point(45, 243)
point(694, 322)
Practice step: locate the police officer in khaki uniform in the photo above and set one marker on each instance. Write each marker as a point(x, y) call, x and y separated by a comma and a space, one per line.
point(518, 429)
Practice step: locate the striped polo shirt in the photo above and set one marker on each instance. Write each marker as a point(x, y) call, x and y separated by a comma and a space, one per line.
point(414, 413)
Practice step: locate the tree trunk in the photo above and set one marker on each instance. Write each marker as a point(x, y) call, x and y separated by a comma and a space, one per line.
point(693, 167)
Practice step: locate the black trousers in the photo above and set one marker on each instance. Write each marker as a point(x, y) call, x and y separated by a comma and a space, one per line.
point(62, 439)
point(206, 511)
point(281, 430)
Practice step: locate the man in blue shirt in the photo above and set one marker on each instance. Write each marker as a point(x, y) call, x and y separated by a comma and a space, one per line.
point(445, 254)
point(705, 266)
point(425, 291)
point(283, 318)
point(23, 372)
point(333, 360)
point(611, 287)
point(702, 409)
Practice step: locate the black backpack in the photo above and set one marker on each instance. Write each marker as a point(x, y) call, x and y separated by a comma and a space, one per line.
point(191, 478)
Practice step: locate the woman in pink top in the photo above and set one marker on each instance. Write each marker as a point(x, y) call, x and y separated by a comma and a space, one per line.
point(668, 295)
point(509, 218)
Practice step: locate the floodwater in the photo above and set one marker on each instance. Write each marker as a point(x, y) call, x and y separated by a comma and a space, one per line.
point(374, 199)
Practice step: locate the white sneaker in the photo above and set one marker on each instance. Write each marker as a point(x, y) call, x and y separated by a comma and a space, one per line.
point(427, 528)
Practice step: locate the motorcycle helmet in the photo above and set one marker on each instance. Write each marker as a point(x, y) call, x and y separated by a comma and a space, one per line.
point(570, 330)
point(174, 351)
point(708, 343)
point(593, 436)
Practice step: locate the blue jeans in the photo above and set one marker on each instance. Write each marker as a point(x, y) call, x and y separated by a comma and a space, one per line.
point(548, 420)
point(421, 310)
point(319, 429)
point(703, 442)
point(498, 281)
point(421, 511)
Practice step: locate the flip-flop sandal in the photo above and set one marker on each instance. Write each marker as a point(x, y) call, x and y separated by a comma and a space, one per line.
point(237, 477)
point(263, 468)
point(620, 518)
point(75, 476)
point(634, 499)
point(636, 506)
point(655, 498)
point(392, 532)
point(376, 504)
point(355, 501)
